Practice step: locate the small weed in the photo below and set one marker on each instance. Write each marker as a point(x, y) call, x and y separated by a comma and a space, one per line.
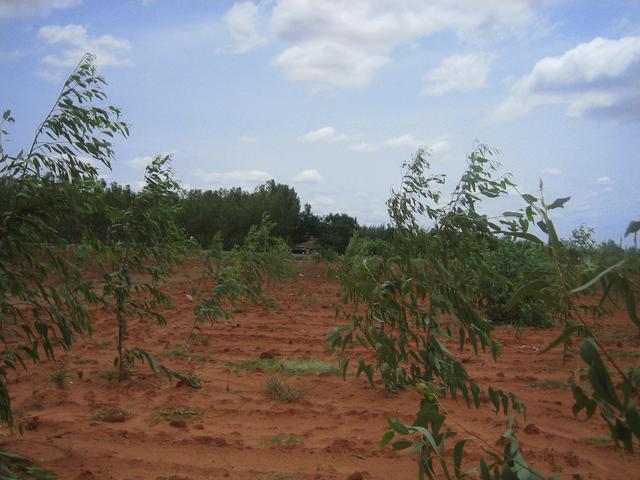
point(202, 340)
point(103, 344)
point(109, 375)
point(279, 390)
point(602, 441)
point(548, 384)
point(59, 375)
point(282, 440)
point(78, 360)
point(280, 476)
point(290, 367)
point(111, 414)
point(193, 380)
point(183, 354)
point(626, 355)
point(175, 413)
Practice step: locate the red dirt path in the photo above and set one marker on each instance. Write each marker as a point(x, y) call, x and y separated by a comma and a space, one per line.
point(339, 423)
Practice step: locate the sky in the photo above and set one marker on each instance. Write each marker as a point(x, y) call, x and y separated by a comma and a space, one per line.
point(332, 96)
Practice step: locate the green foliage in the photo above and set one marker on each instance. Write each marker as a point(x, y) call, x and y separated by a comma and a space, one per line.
point(176, 413)
point(508, 263)
point(611, 391)
point(43, 295)
point(59, 375)
point(203, 214)
point(142, 242)
point(283, 440)
point(14, 467)
point(406, 300)
point(261, 258)
point(278, 389)
point(290, 367)
point(244, 273)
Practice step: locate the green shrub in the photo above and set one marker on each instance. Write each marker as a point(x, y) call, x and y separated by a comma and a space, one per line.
point(509, 262)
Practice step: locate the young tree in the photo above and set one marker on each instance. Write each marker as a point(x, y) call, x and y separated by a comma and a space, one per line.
point(43, 294)
point(142, 246)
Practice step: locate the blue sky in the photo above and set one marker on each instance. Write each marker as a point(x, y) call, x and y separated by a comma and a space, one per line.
point(332, 96)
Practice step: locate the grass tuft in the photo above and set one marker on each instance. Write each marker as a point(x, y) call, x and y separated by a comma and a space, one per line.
point(290, 367)
point(282, 440)
point(176, 413)
point(280, 390)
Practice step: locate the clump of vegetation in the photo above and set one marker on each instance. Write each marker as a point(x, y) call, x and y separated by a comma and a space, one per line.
point(183, 354)
point(111, 414)
point(508, 263)
point(192, 379)
point(175, 414)
point(59, 375)
point(290, 367)
point(287, 440)
point(279, 389)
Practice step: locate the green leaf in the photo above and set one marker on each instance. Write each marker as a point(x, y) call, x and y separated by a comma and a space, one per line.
point(401, 444)
point(558, 203)
point(597, 278)
point(568, 332)
point(633, 228)
point(386, 438)
point(525, 291)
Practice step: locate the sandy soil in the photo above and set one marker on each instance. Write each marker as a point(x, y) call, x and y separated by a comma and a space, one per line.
point(333, 433)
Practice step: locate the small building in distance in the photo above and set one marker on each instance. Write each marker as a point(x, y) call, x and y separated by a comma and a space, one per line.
point(306, 248)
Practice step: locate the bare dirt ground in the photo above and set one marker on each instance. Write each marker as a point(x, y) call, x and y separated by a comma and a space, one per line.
point(333, 433)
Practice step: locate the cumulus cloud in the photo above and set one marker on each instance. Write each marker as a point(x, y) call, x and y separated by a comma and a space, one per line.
point(242, 23)
point(322, 202)
point(552, 171)
point(340, 43)
point(323, 135)
point(75, 41)
point(235, 177)
point(247, 139)
point(404, 142)
point(139, 163)
point(599, 78)
point(603, 181)
point(461, 73)
point(21, 8)
point(308, 176)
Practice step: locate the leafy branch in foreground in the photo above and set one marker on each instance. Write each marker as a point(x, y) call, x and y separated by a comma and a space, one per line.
point(613, 391)
point(407, 304)
point(42, 291)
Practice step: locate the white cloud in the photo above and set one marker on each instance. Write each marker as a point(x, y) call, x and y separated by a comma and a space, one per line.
point(405, 142)
point(235, 177)
point(247, 139)
point(339, 43)
point(242, 23)
point(552, 171)
point(599, 77)
point(308, 176)
point(324, 135)
point(322, 202)
point(603, 181)
point(20, 8)
point(75, 41)
point(139, 163)
point(462, 73)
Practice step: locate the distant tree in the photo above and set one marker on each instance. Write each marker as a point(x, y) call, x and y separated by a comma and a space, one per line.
point(307, 225)
point(336, 230)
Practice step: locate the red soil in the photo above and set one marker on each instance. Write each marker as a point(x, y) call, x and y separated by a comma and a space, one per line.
point(337, 426)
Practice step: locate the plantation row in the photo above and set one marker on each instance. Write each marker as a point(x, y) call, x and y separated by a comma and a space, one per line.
point(408, 291)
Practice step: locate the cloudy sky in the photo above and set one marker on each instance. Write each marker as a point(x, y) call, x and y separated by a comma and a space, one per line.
point(332, 96)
